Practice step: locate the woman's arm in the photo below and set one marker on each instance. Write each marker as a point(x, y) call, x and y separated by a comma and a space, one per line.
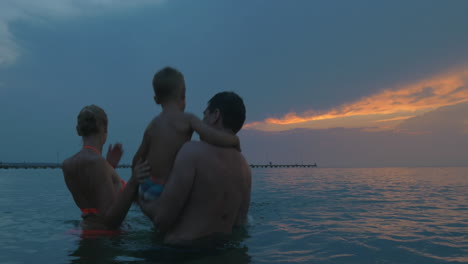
point(113, 207)
point(165, 211)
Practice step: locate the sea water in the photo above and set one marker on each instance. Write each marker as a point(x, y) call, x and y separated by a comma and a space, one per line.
point(307, 215)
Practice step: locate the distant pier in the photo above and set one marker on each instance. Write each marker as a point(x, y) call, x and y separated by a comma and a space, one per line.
point(26, 165)
point(59, 166)
point(254, 166)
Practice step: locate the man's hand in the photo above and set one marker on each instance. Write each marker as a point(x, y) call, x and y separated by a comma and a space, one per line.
point(114, 154)
point(141, 172)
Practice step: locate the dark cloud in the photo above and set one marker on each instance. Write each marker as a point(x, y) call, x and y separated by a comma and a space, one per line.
point(280, 57)
point(445, 120)
point(438, 138)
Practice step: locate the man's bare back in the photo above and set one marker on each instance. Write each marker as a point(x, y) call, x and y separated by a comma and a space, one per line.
point(207, 194)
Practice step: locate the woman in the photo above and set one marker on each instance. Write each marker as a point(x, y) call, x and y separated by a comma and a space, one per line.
point(98, 191)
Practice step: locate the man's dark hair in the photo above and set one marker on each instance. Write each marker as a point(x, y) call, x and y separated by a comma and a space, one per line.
point(168, 84)
point(232, 109)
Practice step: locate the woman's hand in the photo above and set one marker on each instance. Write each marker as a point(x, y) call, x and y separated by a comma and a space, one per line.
point(114, 154)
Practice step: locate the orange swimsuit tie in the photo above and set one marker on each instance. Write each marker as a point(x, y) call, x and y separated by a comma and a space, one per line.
point(93, 149)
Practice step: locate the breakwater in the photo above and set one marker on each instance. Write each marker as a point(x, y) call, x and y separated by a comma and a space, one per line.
point(25, 165)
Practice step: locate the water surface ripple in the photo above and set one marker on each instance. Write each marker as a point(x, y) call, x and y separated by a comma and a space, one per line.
point(313, 215)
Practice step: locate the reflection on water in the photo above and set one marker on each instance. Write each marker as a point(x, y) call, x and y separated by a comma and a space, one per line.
point(148, 248)
point(348, 215)
point(390, 215)
point(140, 243)
point(97, 250)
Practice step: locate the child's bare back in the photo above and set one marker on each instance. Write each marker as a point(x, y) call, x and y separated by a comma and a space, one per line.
point(165, 135)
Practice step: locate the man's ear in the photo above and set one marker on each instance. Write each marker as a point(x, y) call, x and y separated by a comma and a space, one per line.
point(217, 115)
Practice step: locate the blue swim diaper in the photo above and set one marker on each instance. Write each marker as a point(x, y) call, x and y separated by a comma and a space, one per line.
point(149, 190)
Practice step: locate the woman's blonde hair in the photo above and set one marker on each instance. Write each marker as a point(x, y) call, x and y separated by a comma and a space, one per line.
point(90, 118)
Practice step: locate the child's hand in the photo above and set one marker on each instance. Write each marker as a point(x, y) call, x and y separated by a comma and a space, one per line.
point(114, 154)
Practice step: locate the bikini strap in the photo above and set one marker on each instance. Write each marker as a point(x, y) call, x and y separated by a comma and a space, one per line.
point(92, 148)
point(89, 210)
point(123, 183)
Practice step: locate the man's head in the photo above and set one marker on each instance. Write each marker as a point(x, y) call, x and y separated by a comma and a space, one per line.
point(225, 109)
point(169, 86)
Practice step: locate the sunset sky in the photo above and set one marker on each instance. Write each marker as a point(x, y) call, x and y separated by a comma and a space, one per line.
point(340, 83)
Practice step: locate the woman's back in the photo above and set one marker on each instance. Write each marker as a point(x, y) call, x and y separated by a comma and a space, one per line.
point(88, 176)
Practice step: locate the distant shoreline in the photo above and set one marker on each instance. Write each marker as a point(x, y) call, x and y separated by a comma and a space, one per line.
point(39, 165)
point(49, 165)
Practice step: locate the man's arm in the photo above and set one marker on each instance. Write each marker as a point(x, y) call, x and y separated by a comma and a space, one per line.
point(165, 211)
point(245, 204)
point(212, 135)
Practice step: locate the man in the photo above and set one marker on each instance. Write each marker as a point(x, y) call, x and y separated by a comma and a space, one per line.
point(208, 191)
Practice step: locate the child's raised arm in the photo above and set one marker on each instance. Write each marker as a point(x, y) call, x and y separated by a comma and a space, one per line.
point(212, 135)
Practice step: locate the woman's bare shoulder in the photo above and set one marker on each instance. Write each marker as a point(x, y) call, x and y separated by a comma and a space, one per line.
point(84, 163)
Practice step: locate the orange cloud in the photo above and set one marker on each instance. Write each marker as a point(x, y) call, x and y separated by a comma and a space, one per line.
point(396, 118)
point(394, 105)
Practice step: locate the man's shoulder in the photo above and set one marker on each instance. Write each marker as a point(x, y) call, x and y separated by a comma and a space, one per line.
point(205, 151)
point(194, 149)
point(194, 146)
